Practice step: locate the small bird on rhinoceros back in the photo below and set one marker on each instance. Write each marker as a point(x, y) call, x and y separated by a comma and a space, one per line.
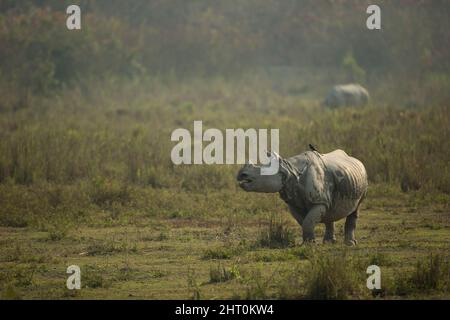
point(312, 147)
point(318, 188)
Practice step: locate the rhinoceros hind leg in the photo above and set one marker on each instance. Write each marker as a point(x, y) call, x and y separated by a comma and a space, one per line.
point(329, 233)
point(349, 229)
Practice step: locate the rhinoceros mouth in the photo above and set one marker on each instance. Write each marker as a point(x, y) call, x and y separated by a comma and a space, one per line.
point(245, 185)
point(244, 178)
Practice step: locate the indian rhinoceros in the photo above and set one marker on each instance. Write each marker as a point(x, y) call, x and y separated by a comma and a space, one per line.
point(347, 95)
point(318, 188)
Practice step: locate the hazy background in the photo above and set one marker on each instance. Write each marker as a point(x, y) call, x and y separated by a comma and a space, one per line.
point(85, 122)
point(410, 55)
point(144, 68)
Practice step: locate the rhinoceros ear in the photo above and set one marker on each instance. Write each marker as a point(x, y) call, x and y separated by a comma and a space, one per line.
point(273, 154)
point(250, 163)
point(273, 166)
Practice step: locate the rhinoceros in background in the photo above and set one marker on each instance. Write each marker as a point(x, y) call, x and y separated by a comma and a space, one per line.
point(318, 188)
point(347, 95)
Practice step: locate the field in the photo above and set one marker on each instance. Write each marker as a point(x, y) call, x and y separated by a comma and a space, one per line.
point(86, 179)
point(86, 176)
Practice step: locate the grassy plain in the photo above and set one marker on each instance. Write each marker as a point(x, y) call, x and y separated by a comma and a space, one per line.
point(86, 179)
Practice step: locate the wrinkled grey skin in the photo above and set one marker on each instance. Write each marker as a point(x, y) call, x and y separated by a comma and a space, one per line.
point(318, 188)
point(347, 95)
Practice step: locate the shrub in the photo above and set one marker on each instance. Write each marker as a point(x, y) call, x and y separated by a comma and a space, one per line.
point(193, 287)
point(430, 273)
point(94, 277)
point(276, 235)
point(379, 259)
point(223, 274)
point(13, 220)
point(225, 252)
point(105, 193)
point(57, 233)
point(332, 276)
point(10, 293)
point(20, 275)
point(108, 247)
point(257, 287)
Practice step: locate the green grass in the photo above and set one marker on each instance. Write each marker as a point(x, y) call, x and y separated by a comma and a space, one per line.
point(82, 183)
point(276, 234)
point(431, 275)
point(220, 273)
point(128, 258)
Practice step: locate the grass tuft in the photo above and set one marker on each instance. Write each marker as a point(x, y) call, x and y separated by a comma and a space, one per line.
point(430, 274)
point(220, 273)
point(332, 276)
point(276, 234)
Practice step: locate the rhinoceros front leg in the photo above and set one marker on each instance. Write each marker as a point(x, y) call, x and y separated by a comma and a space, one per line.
point(296, 214)
point(313, 217)
point(349, 229)
point(329, 233)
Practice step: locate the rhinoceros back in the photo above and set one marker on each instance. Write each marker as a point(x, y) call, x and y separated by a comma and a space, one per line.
point(335, 180)
point(347, 95)
point(349, 179)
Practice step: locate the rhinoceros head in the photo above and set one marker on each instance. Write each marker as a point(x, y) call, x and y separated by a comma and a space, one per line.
point(251, 179)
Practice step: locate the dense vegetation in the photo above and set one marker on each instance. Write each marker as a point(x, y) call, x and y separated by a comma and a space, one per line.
point(227, 38)
point(85, 124)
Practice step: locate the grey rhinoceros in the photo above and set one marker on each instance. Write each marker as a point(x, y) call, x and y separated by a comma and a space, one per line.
point(347, 95)
point(318, 188)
